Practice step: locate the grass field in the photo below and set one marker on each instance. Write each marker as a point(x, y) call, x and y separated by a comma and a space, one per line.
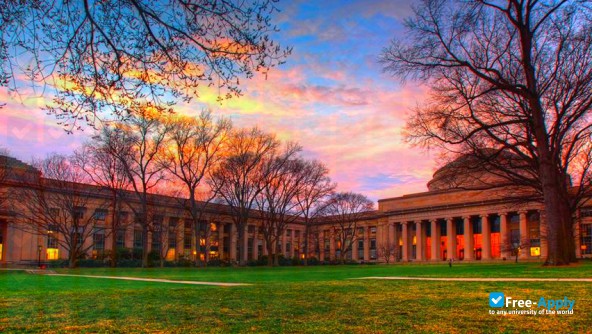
point(289, 299)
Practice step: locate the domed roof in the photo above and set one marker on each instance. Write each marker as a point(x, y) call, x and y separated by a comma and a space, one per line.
point(470, 171)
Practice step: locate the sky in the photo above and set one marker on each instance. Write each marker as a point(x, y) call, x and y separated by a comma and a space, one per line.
point(331, 96)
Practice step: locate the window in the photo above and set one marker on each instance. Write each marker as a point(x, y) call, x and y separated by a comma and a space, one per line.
point(288, 233)
point(123, 216)
point(138, 238)
point(173, 222)
point(251, 229)
point(52, 240)
point(187, 236)
point(373, 249)
point(586, 212)
point(99, 239)
point(54, 212)
point(157, 221)
point(586, 242)
point(120, 238)
point(100, 214)
point(495, 224)
point(373, 230)
point(515, 237)
point(360, 249)
point(78, 212)
point(52, 243)
point(78, 233)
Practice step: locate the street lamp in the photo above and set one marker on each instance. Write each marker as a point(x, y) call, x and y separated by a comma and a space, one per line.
point(39, 247)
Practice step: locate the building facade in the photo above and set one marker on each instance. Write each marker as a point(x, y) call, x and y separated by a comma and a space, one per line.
point(455, 219)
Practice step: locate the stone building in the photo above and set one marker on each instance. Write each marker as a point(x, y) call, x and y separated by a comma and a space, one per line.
point(459, 217)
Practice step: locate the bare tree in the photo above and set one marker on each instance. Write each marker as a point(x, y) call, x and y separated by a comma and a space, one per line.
point(316, 187)
point(106, 170)
point(345, 210)
point(138, 145)
point(508, 79)
point(194, 147)
point(102, 56)
point(283, 177)
point(239, 178)
point(387, 250)
point(58, 205)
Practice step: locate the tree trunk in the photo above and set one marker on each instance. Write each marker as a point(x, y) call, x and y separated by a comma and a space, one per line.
point(270, 253)
point(72, 260)
point(560, 243)
point(306, 237)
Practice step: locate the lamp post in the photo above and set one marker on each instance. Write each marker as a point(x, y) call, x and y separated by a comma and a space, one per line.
point(39, 253)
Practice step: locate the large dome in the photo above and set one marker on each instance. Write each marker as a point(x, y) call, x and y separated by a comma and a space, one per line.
point(473, 172)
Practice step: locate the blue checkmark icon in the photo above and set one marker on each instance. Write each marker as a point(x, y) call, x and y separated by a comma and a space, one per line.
point(496, 299)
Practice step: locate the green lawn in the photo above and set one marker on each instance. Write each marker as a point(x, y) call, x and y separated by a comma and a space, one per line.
point(290, 300)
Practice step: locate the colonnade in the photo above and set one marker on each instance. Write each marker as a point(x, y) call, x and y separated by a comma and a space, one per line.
point(412, 234)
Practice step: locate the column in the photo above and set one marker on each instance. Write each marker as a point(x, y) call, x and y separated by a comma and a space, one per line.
point(233, 242)
point(284, 240)
point(321, 246)
point(332, 244)
point(486, 237)
point(504, 241)
point(435, 237)
point(220, 240)
point(180, 230)
point(264, 246)
point(405, 247)
point(356, 238)
point(207, 240)
point(128, 237)
point(256, 244)
point(366, 243)
point(468, 238)
point(419, 241)
point(245, 255)
point(292, 238)
point(392, 242)
point(451, 236)
point(524, 236)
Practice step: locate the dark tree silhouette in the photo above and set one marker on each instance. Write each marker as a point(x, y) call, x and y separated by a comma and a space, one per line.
point(194, 148)
point(509, 79)
point(239, 178)
point(102, 56)
point(346, 210)
point(59, 205)
point(106, 170)
point(138, 146)
point(283, 176)
point(315, 189)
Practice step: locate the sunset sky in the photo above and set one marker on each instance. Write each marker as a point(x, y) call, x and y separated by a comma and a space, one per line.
point(331, 96)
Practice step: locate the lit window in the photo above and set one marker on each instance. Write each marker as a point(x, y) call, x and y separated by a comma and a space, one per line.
point(52, 254)
point(535, 251)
